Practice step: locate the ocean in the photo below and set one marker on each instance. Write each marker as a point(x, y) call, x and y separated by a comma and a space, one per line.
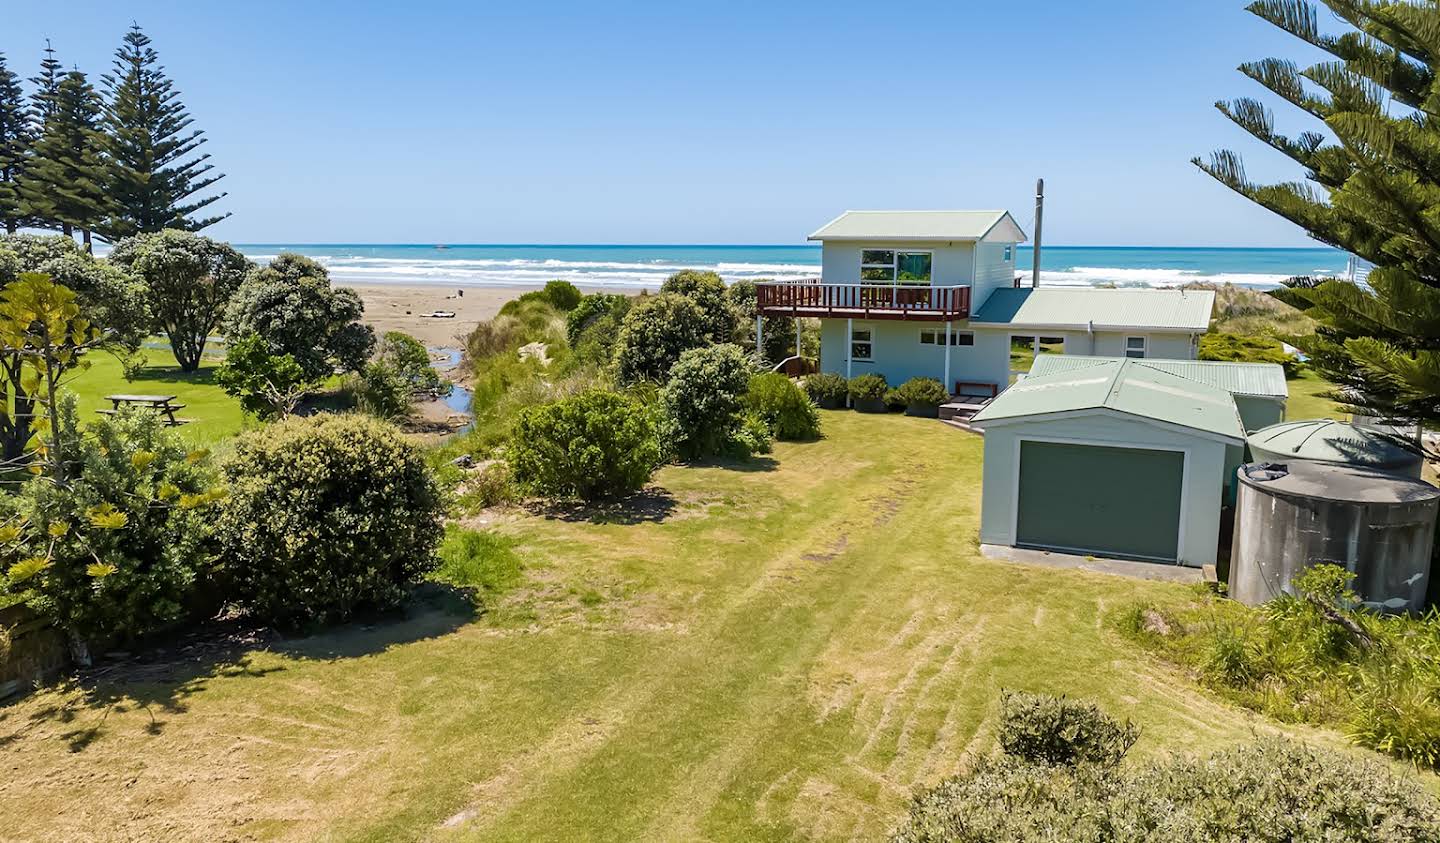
point(644, 267)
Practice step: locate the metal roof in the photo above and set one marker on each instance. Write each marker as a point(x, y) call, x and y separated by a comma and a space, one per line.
point(1087, 308)
point(901, 226)
point(1123, 386)
point(1261, 380)
point(1327, 440)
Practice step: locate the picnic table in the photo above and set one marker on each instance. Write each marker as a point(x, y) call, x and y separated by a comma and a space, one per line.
point(163, 404)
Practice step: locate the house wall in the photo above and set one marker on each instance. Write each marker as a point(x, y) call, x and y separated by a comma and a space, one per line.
point(992, 271)
point(899, 356)
point(1209, 464)
point(950, 264)
point(1256, 412)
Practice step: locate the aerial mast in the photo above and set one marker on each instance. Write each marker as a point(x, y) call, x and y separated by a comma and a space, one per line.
point(1039, 215)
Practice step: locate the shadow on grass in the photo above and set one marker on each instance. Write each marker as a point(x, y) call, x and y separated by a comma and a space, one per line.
point(651, 505)
point(749, 464)
point(204, 376)
point(159, 680)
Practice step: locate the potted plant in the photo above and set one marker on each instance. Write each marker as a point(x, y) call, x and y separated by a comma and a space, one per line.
point(923, 397)
point(868, 393)
point(827, 390)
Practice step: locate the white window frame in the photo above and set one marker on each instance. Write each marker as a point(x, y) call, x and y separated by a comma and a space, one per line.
point(869, 343)
point(1009, 252)
point(894, 267)
point(937, 337)
point(1144, 348)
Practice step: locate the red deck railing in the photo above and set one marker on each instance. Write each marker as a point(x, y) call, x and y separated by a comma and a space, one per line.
point(873, 301)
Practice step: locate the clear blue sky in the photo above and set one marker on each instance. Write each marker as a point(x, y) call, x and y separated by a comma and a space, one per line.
point(731, 122)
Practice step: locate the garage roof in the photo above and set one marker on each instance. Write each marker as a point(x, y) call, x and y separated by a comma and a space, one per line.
point(1122, 386)
point(913, 226)
point(1260, 380)
point(1087, 308)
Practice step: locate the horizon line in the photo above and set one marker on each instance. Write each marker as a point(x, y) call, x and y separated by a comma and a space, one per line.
point(735, 246)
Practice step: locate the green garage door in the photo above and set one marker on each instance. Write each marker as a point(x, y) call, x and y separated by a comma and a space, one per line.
point(1107, 501)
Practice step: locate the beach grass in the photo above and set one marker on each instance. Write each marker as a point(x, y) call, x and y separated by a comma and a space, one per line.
point(765, 650)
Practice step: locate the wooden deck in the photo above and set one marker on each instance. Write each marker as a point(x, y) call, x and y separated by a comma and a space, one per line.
point(863, 301)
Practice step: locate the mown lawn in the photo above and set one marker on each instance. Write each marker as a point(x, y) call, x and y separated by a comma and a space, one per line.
point(216, 416)
point(1305, 401)
point(772, 651)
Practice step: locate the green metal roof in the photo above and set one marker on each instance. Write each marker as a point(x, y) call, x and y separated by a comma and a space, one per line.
point(1086, 308)
point(900, 226)
point(1123, 386)
point(1327, 440)
point(1263, 380)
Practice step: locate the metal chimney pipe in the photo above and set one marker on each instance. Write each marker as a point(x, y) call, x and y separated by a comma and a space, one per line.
point(1039, 216)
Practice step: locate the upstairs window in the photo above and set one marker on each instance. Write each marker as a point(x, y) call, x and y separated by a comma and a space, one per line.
point(861, 346)
point(1135, 347)
point(1009, 253)
point(887, 266)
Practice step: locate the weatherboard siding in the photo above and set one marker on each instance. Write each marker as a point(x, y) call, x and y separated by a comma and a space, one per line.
point(950, 264)
point(899, 355)
point(1208, 466)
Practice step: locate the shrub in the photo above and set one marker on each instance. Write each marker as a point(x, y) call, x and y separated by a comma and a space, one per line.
point(593, 326)
point(1044, 729)
point(327, 516)
point(380, 390)
point(293, 307)
point(923, 391)
point(704, 403)
point(654, 334)
point(707, 290)
point(591, 308)
point(1271, 791)
point(492, 484)
point(784, 407)
point(268, 385)
point(826, 389)
point(116, 548)
point(779, 330)
point(563, 295)
point(868, 387)
point(590, 446)
point(1236, 348)
point(408, 358)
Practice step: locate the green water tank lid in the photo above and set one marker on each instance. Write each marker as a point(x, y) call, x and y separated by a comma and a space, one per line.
point(1327, 440)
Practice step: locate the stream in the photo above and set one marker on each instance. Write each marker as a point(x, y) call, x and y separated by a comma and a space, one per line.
point(458, 400)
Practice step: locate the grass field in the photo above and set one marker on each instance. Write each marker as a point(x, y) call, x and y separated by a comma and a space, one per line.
point(217, 416)
point(777, 650)
point(1305, 401)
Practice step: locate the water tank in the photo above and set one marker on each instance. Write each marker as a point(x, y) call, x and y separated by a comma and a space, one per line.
point(1329, 441)
point(1376, 524)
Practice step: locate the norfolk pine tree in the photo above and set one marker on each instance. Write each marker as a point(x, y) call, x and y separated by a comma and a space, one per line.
point(1371, 188)
point(15, 140)
point(64, 184)
point(155, 170)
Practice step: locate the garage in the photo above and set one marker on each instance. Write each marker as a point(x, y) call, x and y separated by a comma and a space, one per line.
point(1109, 459)
point(1135, 514)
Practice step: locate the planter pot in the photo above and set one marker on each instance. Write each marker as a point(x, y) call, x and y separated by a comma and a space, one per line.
point(926, 411)
point(830, 403)
point(871, 405)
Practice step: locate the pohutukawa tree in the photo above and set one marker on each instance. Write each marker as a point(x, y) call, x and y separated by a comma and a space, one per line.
point(1371, 188)
point(15, 140)
point(190, 279)
point(65, 179)
point(156, 171)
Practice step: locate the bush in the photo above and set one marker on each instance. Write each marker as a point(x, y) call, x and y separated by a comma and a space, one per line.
point(827, 389)
point(779, 330)
point(408, 358)
point(116, 549)
point(923, 391)
point(868, 387)
point(654, 334)
point(593, 326)
point(563, 295)
point(1271, 791)
point(268, 385)
point(1316, 657)
point(380, 390)
point(704, 403)
point(489, 485)
point(591, 308)
point(1235, 348)
point(593, 445)
point(707, 290)
point(327, 516)
point(1044, 729)
point(784, 407)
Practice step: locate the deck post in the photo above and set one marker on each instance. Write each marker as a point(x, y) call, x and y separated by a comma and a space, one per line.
point(946, 382)
point(849, 349)
point(759, 328)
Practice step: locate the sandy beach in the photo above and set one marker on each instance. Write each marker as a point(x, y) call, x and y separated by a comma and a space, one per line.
point(397, 308)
